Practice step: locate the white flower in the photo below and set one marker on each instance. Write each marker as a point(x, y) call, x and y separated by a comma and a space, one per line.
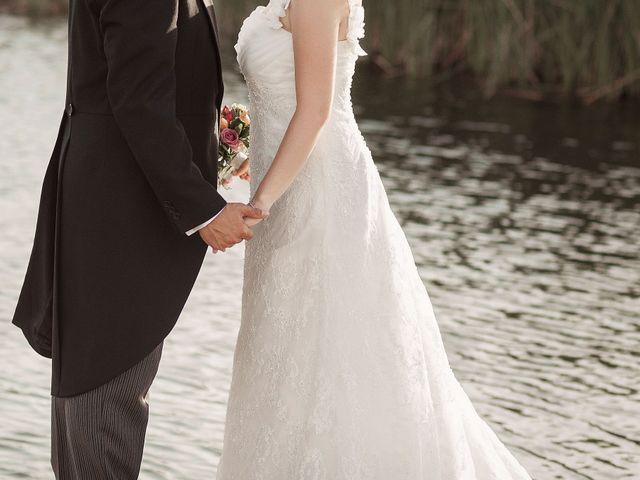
point(240, 108)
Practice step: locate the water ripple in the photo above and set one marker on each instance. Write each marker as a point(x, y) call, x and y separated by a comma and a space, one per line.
point(524, 221)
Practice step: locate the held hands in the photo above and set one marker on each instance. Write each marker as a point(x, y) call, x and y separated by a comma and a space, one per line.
point(259, 205)
point(229, 228)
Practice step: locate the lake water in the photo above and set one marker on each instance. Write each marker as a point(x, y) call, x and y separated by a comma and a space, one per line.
point(524, 220)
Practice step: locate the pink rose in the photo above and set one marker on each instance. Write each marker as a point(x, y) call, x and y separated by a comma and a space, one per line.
point(230, 138)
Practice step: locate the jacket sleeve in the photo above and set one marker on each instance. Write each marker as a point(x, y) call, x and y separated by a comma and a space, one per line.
point(140, 43)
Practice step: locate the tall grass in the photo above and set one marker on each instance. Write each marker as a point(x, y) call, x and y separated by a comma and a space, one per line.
point(584, 48)
point(587, 48)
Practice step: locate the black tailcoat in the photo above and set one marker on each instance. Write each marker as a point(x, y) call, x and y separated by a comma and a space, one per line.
point(133, 169)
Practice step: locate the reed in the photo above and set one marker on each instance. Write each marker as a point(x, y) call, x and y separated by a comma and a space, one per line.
point(589, 49)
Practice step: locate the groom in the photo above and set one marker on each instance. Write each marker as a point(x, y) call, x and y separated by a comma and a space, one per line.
point(128, 207)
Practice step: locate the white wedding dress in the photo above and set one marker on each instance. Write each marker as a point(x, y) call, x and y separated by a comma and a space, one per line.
point(340, 372)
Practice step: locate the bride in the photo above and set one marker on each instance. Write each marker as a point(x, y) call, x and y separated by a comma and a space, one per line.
point(340, 371)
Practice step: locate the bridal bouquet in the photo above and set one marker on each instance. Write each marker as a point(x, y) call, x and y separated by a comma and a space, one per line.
point(233, 149)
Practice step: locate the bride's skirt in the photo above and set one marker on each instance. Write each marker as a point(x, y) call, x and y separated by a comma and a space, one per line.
point(340, 372)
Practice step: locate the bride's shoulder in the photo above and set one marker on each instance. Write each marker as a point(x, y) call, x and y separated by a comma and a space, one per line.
point(325, 4)
point(346, 7)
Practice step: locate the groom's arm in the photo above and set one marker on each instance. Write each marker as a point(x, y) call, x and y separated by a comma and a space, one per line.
point(140, 45)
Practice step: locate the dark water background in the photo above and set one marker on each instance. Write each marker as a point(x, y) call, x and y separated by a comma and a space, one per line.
point(524, 219)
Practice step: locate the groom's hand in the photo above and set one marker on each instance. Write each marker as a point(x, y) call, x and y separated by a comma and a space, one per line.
point(229, 228)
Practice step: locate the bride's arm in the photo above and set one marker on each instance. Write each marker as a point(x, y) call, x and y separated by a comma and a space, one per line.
point(315, 27)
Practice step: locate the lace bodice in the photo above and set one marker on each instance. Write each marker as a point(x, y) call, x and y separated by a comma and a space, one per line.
point(265, 55)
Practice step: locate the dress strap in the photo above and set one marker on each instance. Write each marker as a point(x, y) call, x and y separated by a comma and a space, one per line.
point(275, 10)
point(356, 25)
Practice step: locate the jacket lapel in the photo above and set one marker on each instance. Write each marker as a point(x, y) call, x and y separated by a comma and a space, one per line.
point(211, 16)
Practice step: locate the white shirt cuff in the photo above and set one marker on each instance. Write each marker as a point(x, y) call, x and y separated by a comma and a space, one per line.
point(200, 227)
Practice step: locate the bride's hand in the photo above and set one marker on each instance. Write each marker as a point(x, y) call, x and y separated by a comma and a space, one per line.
point(244, 171)
point(250, 222)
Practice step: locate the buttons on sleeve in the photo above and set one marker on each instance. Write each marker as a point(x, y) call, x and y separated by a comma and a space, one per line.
point(171, 210)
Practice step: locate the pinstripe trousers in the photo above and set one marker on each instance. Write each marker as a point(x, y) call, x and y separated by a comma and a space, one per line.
point(99, 435)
